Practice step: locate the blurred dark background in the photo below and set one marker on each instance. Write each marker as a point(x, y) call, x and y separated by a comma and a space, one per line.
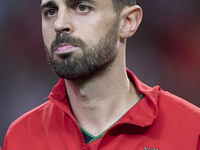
point(164, 51)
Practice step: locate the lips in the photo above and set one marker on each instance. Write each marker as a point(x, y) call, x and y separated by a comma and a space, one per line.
point(62, 49)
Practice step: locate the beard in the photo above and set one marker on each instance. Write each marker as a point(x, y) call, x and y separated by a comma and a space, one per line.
point(92, 61)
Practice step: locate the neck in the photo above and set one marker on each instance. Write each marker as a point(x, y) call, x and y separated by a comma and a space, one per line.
point(100, 101)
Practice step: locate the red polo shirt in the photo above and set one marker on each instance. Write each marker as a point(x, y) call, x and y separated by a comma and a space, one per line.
point(160, 121)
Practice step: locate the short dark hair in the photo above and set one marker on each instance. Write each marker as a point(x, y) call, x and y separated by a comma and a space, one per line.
point(120, 4)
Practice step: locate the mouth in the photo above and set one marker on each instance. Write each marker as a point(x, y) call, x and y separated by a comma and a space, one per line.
point(64, 48)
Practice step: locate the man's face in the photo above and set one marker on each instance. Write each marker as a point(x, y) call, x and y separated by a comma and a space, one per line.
point(80, 37)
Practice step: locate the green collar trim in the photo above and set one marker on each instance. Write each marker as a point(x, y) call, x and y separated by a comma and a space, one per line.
point(100, 135)
point(92, 136)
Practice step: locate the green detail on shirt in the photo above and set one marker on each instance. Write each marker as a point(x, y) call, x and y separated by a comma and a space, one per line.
point(93, 138)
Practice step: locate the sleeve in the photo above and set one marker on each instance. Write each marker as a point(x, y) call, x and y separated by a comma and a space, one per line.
point(198, 144)
point(5, 144)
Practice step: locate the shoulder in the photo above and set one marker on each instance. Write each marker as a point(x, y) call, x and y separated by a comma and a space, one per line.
point(178, 107)
point(32, 118)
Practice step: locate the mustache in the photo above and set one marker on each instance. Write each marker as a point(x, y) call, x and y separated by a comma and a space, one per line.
point(65, 38)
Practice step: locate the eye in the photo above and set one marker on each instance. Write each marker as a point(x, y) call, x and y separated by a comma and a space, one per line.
point(50, 12)
point(83, 8)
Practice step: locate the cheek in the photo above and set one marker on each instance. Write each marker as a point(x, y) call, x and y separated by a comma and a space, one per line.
point(92, 32)
point(48, 34)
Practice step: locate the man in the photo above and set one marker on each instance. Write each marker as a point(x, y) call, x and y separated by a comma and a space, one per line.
point(98, 104)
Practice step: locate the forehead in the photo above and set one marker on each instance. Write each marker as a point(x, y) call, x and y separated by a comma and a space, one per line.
point(73, 1)
point(104, 5)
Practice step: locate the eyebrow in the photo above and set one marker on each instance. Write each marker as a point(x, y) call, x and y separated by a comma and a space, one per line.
point(70, 1)
point(48, 4)
point(52, 3)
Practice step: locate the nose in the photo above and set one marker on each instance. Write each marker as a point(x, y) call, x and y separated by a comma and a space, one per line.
point(63, 22)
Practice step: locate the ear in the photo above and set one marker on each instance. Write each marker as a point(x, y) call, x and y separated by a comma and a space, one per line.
point(130, 19)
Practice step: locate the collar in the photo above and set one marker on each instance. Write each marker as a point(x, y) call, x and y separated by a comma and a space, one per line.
point(142, 114)
point(145, 111)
